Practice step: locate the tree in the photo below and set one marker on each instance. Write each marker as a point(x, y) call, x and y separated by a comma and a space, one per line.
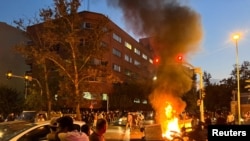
point(191, 97)
point(219, 95)
point(77, 52)
point(10, 100)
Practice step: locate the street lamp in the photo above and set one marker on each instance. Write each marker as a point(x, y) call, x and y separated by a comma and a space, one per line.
point(236, 38)
point(9, 75)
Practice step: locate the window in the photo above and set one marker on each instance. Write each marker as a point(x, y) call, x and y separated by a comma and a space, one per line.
point(128, 58)
point(87, 25)
point(128, 45)
point(104, 44)
point(128, 72)
point(95, 61)
point(151, 61)
point(137, 63)
point(116, 52)
point(117, 38)
point(137, 100)
point(116, 67)
point(144, 56)
point(144, 101)
point(36, 134)
point(137, 51)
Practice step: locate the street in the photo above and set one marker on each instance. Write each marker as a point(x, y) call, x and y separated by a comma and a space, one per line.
point(118, 133)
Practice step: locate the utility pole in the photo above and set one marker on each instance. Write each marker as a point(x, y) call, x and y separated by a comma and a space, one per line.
point(201, 94)
point(198, 70)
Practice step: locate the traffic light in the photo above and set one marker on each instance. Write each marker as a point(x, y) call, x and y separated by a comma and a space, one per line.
point(198, 102)
point(27, 77)
point(156, 60)
point(9, 75)
point(203, 94)
point(179, 58)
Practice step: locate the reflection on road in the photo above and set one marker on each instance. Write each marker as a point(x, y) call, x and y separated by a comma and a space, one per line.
point(118, 133)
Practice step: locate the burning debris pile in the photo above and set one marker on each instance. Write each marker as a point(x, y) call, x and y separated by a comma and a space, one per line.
point(174, 29)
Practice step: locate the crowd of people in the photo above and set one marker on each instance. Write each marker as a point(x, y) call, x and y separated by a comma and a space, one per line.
point(62, 129)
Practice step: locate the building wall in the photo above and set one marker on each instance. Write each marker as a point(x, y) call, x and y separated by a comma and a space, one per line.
point(9, 59)
point(143, 71)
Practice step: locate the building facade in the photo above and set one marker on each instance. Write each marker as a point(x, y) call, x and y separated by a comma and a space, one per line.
point(9, 59)
point(126, 58)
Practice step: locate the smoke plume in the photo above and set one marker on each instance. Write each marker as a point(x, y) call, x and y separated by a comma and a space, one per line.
point(174, 29)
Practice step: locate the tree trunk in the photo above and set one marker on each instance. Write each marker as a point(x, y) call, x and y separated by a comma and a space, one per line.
point(47, 90)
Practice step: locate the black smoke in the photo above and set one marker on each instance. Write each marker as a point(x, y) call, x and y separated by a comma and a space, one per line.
point(174, 29)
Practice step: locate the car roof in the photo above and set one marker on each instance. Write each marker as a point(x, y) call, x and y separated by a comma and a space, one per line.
point(19, 128)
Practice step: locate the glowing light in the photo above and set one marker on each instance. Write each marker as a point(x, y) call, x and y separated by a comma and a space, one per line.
point(236, 37)
point(171, 124)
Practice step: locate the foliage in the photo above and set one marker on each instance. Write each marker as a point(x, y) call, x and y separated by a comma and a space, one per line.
point(34, 101)
point(219, 95)
point(191, 98)
point(10, 100)
point(75, 52)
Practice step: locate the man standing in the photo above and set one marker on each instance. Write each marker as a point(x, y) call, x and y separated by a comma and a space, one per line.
point(98, 134)
point(129, 122)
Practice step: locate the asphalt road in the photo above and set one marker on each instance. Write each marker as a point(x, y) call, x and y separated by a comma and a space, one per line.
point(118, 133)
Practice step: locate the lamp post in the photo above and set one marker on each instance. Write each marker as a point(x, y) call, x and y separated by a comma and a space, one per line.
point(199, 71)
point(30, 78)
point(26, 77)
point(236, 37)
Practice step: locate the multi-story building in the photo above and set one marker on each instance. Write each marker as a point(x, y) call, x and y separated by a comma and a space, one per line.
point(127, 58)
point(9, 59)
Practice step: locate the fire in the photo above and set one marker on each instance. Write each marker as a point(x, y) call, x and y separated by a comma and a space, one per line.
point(171, 123)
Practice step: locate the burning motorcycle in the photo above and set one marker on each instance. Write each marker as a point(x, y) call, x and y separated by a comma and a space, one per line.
point(198, 134)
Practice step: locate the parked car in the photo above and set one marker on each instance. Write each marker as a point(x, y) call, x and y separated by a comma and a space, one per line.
point(27, 131)
point(32, 116)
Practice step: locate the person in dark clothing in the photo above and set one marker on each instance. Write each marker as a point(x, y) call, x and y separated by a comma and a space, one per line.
point(86, 129)
point(98, 134)
point(221, 120)
point(208, 121)
point(199, 133)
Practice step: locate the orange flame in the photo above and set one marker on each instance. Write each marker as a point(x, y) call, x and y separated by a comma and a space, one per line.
point(171, 124)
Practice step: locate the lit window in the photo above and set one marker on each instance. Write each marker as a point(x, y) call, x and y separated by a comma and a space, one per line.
point(127, 72)
point(151, 60)
point(128, 45)
point(144, 101)
point(144, 56)
point(137, 100)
